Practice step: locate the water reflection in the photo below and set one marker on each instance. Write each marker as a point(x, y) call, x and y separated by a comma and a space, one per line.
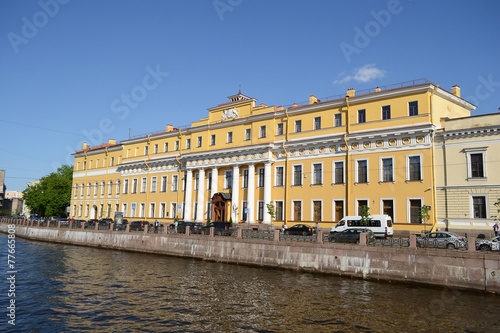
point(69, 288)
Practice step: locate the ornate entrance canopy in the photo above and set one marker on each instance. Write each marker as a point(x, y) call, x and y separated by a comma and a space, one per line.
point(221, 207)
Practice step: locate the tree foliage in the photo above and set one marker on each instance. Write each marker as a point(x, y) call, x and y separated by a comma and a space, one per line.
point(365, 215)
point(52, 195)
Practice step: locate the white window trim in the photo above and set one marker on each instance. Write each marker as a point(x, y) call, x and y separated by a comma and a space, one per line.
point(408, 207)
point(196, 181)
point(333, 207)
point(312, 209)
point(174, 183)
point(151, 205)
point(259, 169)
point(155, 188)
point(276, 175)
point(133, 210)
point(333, 172)
point(144, 185)
point(262, 130)
point(142, 210)
point(229, 134)
point(226, 185)
point(282, 211)
point(475, 150)
point(381, 169)
point(163, 205)
point(295, 126)
point(82, 190)
point(243, 210)
point(173, 206)
point(209, 180)
point(302, 174)
point(313, 175)
point(243, 178)
point(393, 207)
point(124, 209)
point(408, 168)
point(314, 123)
point(471, 205)
point(292, 206)
point(356, 171)
point(110, 188)
point(164, 190)
point(249, 132)
point(356, 201)
point(96, 187)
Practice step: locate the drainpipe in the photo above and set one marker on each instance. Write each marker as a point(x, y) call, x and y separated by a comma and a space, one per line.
point(178, 173)
point(147, 177)
point(434, 215)
point(285, 216)
point(347, 169)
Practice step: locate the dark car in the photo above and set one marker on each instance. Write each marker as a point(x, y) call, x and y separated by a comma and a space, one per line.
point(442, 239)
point(105, 221)
point(138, 225)
point(64, 222)
point(300, 229)
point(92, 222)
point(195, 227)
point(351, 236)
point(220, 228)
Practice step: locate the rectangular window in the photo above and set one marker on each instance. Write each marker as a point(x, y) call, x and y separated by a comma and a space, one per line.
point(279, 210)
point(479, 207)
point(317, 123)
point(165, 147)
point(317, 174)
point(103, 188)
point(244, 215)
point(339, 173)
point(75, 193)
point(124, 209)
point(297, 175)
point(413, 108)
point(125, 186)
point(260, 180)
point(188, 143)
point(247, 134)
point(316, 210)
point(156, 149)
point(279, 130)
point(262, 131)
point(387, 170)
point(112, 161)
point(196, 181)
point(134, 185)
point(173, 209)
point(96, 187)
point(386, 112)
point(143, 185)
point(245, 178)
point(476, 165)
point(117, 187)
point(176, 145)
point(198, 142)
point(175, 183)
point(279, 176)
point(152, 208)
point(388, 208)
point(338, 120)
point(164, 183)
point(153, 184)
point(209, 181)
point(414, 168)
point(361, 116)
point(415, 206)
point(298, 126)
point(362, 171)
point(163, 210)
point(142, 211)
point(297, 210)
point(361, 204)
point(146, 150)
point(229, 137)
point(260, 211)
point(228, 179)
point(212, 140)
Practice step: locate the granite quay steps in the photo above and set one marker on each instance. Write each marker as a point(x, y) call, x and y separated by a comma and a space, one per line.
point(464, 269)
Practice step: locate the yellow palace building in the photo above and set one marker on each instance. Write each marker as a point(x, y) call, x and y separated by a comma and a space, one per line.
point(315, 161)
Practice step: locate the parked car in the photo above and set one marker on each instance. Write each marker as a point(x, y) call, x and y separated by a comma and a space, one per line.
point(381, 225)
point(64, 222)
point(220, 228)
point(488, 244)
point(105, 221)
point(300, 229)
point(138, 225)
point(91, 222)
point(442, 239)
point(351, 236)
point(194, 226)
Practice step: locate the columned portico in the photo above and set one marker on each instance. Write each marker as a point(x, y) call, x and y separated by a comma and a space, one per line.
point(267, 191)
point(187, 200)
point(251, 193)
point(200, 207)
point(235, 193)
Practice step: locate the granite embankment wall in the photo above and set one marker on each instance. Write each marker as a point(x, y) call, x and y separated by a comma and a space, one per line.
point(451, 268)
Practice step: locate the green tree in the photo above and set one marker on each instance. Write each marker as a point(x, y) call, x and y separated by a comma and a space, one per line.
point(497, 205)
point(270, 210)
point(52, 195)
point(424, 216)
point(365, 215)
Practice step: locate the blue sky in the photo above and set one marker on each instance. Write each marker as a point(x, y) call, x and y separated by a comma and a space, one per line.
point(75, 71)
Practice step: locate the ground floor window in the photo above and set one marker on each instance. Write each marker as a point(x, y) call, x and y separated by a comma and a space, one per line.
point(260, 213)
point(415, 206)
point(317, 210)
point(361, 204)
point(279, 210)
point(297, 210)
point(388, 208)
point(479, 207)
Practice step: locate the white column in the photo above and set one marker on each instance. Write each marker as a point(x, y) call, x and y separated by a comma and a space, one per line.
point(267, 191)
point(251, 193)
point(215, 177)
point(235, 193)
point(188, 194)
point(200, 207)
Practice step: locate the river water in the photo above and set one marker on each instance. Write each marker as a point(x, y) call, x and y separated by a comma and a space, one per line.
point(63, 288)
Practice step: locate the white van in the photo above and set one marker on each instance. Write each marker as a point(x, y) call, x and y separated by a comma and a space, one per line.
point(381, 225)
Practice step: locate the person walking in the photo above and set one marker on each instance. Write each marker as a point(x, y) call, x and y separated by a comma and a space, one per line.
point(157, 225)
point(496, 229)
point(317, 227)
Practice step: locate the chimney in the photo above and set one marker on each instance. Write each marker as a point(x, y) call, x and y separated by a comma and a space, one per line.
point(313, 99)
point(263, 105)
point(112, 141)
point(351, 92)
point(280, 108)
point(85, 146)
point(455, 90)
point(169, 128)
point(378, 89)
point(294, 105)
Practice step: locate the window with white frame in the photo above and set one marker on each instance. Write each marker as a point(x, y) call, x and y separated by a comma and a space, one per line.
point(134, 186)
point(476, 163)
point(88, 189)
point(317, 174)
point(188, 143)
point(297, 175)
point(209, 181)
point(260, 210)
point(118, 187)
point(260, 180)
point(298, 126)
point(198, 142)
point(414, 168)
point(75, 193)
point(279, 130)
point(103, 188)
point(196, 181)
point(229, 137)
point(164, 180)
point(414, 207)
point(228, 179)
point(82, 189)
point(479, 206)
point(263, 131)
point(125, 186)
point(175, 181)
point(146, 150)
point(143, 184)
point(156, 148)
point(110, 187)
point(152, 208)
point(96, 187)
point(212, 140)
point(176, 145)
point(163, 210)
point(153, 184)
point(386, 169)
point(317, 210)
point(245, 178)
point(317, 123)
point(279, 172)
point(361, 172)
point(165, 147)
point(247, 134)
point(112, 161)
point(142, 210)
point(279, 210)
point(338, 169)
point(124, 209)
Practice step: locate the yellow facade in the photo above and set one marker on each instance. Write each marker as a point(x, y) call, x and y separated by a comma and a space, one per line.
point(315, 162)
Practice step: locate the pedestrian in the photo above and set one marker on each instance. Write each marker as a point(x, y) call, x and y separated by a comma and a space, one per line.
point(157, 225)
point(284, 227)
point(317, 227)
point(496, 229)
